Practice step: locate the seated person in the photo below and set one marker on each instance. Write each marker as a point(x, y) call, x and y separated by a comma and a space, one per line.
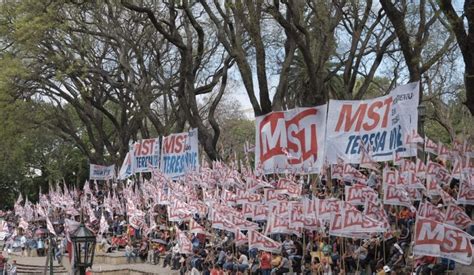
point(243, 263)
point(104, 245)
point(130, 252)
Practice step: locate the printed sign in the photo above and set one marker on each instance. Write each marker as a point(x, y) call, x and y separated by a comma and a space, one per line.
point(180, 154)
point(291, 141)
point(99, 172)
point(382, 124)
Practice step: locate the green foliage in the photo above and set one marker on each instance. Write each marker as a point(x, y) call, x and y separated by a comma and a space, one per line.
point(32, 157)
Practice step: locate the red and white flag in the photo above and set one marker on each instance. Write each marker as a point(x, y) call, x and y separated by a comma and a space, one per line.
point(447, 199)
point(353, 221)
point(437, 239)
point(260, 212)
point(272, 196)
point(358, 194)
point(396, 195)
point(366, 159)
point(50, 227)
point(420, 169)
point(443, 151)
point(184, 244)
point(262, 242)
point(466, 192)
point(397, 159)
point(104, 226)
point(23, 224)
point(456, 216)
point(439, 172)
point(196, 228)
point(374, 209)
point(240, 238)
point(278, 224)
point(408, 179)
point(431, 146)
point(286, 186)
point(414, 137)
point(432, 187)
point(297, 217)
point(428, 210)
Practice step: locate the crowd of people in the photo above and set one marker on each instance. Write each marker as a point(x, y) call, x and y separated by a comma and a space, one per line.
point(144, 220)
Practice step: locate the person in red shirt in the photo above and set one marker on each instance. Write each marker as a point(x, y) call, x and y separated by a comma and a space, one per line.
point(2, 263)
point(216, 270)
point(265, 263)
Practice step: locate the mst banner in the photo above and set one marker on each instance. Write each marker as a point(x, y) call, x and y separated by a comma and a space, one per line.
point(290, 141)
point(383, 125)
point(146, 155)
point(180, 154)
point(100, 172)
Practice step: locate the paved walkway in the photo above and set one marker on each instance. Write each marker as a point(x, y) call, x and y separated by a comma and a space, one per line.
point(39, 263)
point(142, 267)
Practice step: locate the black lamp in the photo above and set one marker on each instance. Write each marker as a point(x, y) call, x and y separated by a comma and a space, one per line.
point(83, 241)
point(421, 127)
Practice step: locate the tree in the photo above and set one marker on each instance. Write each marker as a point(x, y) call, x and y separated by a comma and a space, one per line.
point(189, 41)
point(465, 40)
point(413, 25)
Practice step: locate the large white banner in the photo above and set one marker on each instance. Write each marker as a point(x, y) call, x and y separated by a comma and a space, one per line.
point(290, 141)
point(146, 155)
point(180, 154)
point(100, 172)
point(383, 125)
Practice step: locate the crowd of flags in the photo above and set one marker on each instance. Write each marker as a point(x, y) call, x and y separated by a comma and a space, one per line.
point(255, 207)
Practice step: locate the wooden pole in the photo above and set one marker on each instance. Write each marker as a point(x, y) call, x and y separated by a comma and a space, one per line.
point(344, 249)
point(383, 246)
point(304, 245)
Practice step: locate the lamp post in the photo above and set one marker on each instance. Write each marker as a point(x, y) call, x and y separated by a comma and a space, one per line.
point(421, 126)
point(83, 241)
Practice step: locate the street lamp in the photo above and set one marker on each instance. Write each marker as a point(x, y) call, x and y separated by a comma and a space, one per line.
point(421, 125)
point(83, 241)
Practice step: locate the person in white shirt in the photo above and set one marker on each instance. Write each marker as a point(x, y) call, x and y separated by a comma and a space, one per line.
point(130, 253)
point(13, 268)
point(288, 245)
point(243, 263)
point(23, 241)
